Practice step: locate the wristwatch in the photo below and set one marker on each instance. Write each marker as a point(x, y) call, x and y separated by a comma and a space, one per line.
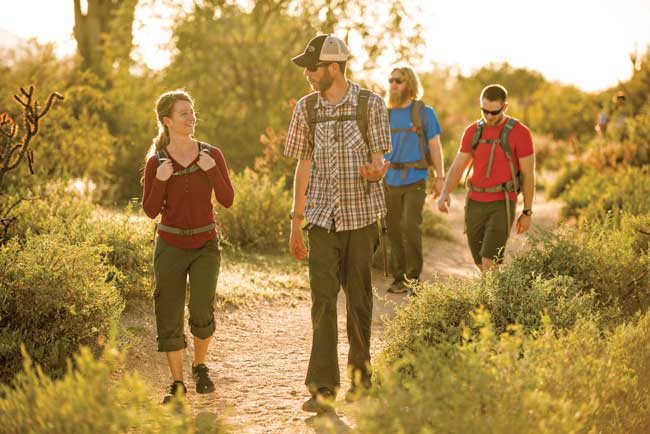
point(527, 212)
point(294, 214)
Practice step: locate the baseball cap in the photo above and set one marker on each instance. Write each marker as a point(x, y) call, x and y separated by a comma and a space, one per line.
point(323, 48)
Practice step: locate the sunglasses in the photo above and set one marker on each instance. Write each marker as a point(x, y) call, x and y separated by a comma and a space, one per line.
point(491, 112)
point(314, 68)
point(395, 80)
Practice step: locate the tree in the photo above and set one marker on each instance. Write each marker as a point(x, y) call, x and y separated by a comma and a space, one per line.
point(104, 34)
point(235, 60)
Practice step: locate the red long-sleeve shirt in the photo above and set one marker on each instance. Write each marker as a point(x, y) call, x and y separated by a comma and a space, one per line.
point(187, 199)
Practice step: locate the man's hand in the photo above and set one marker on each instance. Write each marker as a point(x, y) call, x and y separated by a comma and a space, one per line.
point(523, 223)
point(165, 169)
point(438, 183)
point(206, 162)
point(444, 202)
point(374, 171)
point(297, 246)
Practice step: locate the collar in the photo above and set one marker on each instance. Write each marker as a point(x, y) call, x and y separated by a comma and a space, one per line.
point(352, 96)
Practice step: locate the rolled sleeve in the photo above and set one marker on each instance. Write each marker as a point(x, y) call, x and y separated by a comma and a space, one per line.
point(298, 144)
point(378, 126)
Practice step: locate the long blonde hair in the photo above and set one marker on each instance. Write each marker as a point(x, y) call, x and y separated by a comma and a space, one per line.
point(164, 107)
point(413, 85)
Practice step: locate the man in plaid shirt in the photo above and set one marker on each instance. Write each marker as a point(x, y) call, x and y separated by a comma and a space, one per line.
point(337, 190)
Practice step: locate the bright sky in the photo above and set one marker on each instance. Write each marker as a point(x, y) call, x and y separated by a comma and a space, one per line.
point(583, 42)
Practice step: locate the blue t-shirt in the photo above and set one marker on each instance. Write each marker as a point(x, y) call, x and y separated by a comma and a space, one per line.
point(406, 145)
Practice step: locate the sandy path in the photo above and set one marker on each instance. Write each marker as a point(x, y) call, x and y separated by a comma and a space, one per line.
point(260, 353)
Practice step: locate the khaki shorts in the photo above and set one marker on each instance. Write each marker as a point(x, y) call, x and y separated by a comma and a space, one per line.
point(487, 231)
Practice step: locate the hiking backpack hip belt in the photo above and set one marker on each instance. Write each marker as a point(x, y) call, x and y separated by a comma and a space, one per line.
point(186, 232)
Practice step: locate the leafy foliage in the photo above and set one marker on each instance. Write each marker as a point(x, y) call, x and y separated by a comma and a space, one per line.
point(54, 297)
point(258, 219)
point(579, 380)
point(89, 400)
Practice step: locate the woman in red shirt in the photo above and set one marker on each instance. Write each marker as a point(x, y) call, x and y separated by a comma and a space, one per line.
point(179, 177)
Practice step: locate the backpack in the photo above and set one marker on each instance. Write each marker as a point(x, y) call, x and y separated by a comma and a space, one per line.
point(361, 116)
point(162, 155)
point(513, 185)
point(416, 119)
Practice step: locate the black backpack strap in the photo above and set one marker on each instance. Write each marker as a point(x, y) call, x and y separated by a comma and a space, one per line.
point(477, 133)
point(310, 106)
point(362, 113)
point(418, 120)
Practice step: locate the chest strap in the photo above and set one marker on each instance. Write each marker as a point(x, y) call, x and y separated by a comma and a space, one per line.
point(186, 232)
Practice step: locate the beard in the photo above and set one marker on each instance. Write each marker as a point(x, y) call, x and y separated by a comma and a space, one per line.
point(396, 99)
point(323, 84)
point(494, 121)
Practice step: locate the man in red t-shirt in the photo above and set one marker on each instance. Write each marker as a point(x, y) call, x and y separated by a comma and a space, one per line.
point(495, 180)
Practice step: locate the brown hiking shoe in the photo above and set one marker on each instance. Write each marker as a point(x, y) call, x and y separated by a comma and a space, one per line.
point(322, 402)
point(397, 287)
point(177, 389)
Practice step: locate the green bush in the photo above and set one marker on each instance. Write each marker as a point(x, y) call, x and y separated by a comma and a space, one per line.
point(92, 399)
point(434, 225)
point(128, 237)
point(598, 258)
point(258, 219)
point(555, 381)
point(53, 298)
point(434, 317)
point(569, 174)
point(51, 209)
point(610, 193)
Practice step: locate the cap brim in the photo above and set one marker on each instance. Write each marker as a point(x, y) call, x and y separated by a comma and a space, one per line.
point(303, 60)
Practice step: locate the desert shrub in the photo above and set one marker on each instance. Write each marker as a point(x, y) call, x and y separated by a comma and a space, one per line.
point(53, 298)
point(128, 238)
point(597, 257)
point(89, 399)
point(579, 380)
point(126, 235)
point(51, 209)
point(434, 225)
point(258, 219)
point(569, 174)
point(611, 193)
point(434, 317)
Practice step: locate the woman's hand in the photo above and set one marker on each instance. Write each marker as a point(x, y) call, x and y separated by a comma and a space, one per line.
point(165, 169)
point(206, 162)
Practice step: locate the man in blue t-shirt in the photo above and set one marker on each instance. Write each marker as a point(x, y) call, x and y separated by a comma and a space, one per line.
point(415, 136)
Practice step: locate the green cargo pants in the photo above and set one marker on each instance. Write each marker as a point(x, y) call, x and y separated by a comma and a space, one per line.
point(172, 266)
point(340, 259)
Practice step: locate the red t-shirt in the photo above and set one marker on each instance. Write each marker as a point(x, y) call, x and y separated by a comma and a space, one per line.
point(521, 144)
point(187, 199)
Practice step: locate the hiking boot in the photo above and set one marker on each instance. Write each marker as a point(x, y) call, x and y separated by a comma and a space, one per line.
point(355, 393)
point(398, 287)
point(322, 402)
point(203, 382)
point(177, 389)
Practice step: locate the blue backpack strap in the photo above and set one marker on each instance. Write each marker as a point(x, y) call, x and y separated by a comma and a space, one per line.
point(161, 155)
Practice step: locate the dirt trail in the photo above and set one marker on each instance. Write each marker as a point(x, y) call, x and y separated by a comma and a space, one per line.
point(260, 353)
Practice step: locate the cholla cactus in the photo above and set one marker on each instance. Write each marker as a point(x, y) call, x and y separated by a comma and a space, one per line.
point(14, 149)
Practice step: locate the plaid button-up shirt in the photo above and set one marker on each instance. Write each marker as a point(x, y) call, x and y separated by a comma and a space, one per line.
point(337, 196)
